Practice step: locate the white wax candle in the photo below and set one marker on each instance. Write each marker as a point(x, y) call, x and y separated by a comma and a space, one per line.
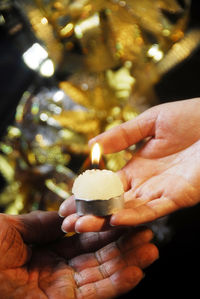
point(97, 184)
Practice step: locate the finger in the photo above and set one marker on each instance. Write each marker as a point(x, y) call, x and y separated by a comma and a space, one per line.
point(138, 170)
point(126, 279)
point(142, 193)
point(128, 133)
point(124, 244)
point(125, 179)
point(69, 223)
point(13, 251)
point(95, 259)
point(132, 201)
point(145, 213)
point(163, 197)
point(38, 226)
point(90, 223)
point(68, 207)
point(83, 243)
point(141, 235)
point(119, 283)
point(87, 223)
point(141, 257)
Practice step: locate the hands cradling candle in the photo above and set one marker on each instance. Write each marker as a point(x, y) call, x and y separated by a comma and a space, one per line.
point(161, 177)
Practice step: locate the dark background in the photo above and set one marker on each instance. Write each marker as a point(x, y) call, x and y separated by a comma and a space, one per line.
point(176, 271)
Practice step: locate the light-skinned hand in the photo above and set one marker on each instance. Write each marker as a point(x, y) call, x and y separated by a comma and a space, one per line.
point(162, 177)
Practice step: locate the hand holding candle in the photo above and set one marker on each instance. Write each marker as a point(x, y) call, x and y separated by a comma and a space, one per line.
point(162, 176)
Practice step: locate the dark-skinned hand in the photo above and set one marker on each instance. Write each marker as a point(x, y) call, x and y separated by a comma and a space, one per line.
point(38, 262)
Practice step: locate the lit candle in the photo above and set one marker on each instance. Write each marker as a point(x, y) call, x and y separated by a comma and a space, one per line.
point(98, 192)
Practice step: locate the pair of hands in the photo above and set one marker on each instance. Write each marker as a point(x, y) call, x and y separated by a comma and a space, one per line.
point(38, 262)
point(162, 176)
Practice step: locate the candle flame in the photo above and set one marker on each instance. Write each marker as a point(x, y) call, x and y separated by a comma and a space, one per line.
point(96, 153)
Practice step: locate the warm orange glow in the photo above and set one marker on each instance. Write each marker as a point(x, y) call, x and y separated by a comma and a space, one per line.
point(96, 153)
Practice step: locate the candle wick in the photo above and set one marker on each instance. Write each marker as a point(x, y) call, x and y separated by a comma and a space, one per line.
point(95, 166)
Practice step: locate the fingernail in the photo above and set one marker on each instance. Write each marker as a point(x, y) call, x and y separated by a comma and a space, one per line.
point(113, 225)
point(60, 211)
point(111, 222)
point(60, 215)
point(64, 231)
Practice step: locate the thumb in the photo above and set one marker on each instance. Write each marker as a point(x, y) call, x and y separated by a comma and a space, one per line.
point(128, 133)
point(19, 231)
point(39, 227)
point(13, 251)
